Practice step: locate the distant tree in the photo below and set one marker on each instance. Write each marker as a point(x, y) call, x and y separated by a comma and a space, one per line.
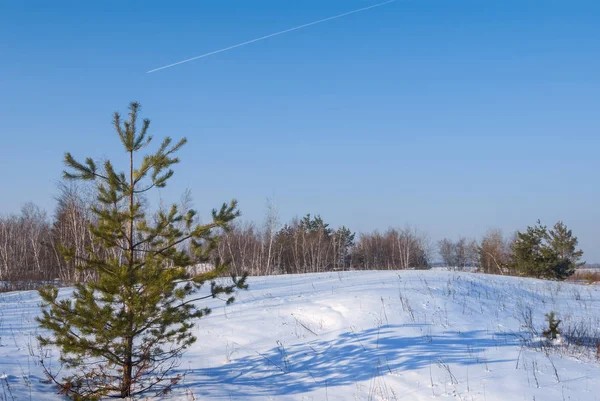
point(394, 249)
point(271, 224)
point(315, 236)
point(242, 246)
point(534, 254)
point(25, 257)
point(413, 248)
point(287, 253)
point(71, 229)
point(448, 252)
point(493, 252)
point(120, 334)
point(459, 254)
point(466, 253)
point(530, 256)
point(342, 241)
point(562, 241)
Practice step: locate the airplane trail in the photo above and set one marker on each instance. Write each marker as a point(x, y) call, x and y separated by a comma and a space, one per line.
point(271, 35)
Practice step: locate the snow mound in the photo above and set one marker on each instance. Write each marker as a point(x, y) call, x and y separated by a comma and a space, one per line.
point(407, 335)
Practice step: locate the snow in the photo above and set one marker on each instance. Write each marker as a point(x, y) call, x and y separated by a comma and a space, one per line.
point(393, 335)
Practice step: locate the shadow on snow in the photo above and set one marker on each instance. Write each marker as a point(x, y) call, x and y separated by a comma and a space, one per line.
point(347, 359)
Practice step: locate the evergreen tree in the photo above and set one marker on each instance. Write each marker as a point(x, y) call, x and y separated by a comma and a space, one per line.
point(121, 334)
point(419, 257)
point(529, 257)
point(539, 254)
point(562, 241)
point(315, 224)
point(343, 240)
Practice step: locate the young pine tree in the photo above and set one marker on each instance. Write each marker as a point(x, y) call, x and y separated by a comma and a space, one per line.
point(538, 253)
point(562, 241)
point(552, 332)
point(530, 253)
point(121, 334)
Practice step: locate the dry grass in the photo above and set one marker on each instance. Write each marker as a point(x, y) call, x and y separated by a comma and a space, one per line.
point(588, 276)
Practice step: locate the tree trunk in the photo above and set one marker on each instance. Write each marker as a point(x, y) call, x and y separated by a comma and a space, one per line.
point(127, 367)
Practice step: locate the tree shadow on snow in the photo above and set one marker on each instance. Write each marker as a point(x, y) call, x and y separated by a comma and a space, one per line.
point(347, 359)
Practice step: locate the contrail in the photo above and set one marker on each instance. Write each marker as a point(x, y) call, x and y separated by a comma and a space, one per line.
point(271, 35)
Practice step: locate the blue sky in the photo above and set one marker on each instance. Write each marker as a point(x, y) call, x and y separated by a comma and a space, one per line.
point(453, 116)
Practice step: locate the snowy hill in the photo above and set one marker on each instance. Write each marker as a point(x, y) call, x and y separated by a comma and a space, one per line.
point(407, 335)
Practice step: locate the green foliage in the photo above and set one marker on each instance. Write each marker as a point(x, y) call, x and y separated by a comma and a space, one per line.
point(121, 334)
point(542, 254)
point(315, 225)
point(345, 236)
point(343, 240)
point(310, 245)
point(552, 331)
point(562, 241)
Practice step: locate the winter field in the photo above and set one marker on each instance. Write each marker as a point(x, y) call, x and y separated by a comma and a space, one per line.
point(406, 335)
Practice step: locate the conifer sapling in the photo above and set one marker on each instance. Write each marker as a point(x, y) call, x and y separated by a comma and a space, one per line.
point(121, 334)
point(552, 331)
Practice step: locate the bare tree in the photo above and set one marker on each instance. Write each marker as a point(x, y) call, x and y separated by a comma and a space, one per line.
point(395, 249)
point(494, 252)
point(460, 254)
point(448, 252)
point(72, 222)
point(271, 226)
point(25, 256)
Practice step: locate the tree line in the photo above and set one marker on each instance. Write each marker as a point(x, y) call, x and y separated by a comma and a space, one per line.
point(30, 246)
point(310, 245)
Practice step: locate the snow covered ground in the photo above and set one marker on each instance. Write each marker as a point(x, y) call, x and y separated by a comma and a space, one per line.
point(407, 335)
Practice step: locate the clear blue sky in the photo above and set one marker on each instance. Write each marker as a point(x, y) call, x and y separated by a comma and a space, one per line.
point(453, 116)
